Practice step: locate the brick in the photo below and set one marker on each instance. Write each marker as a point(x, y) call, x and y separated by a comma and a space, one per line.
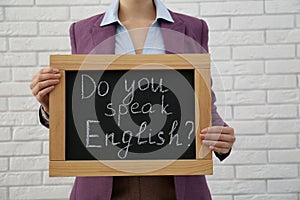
point(225, 112)
point(45, 148)
point(282, 6)
point(238, 187)
point(39, 44)
point(29, 163)
point(36, 13)
point(24, 74)
point(5, 134)
point(284, 96)
point(4, 193)
point(262, 22)
point(191, 9)
point(20, 178)
point(43, 57)
point(221, 197)
point(18, 118)
point(266, 142)
point(238, 68)
point(3, 104)
point(5, 74)
point(1, 13)
point(264, 52)
point(283, 66)
point(266, 171)
point(20, 148)
point(246, 127)
point(231, 8)
point(166, 1)
point(109, 1)
point(57, 180)
point(18, 29)
point(30, 133)
point(22, 104)
point(236, 38)
point(241, 97)
point(284, 126)
point(217, 23)
point(16, 2)
point(221, 83)
point(82, 12)
point(267, 197)
point(265, 82)
point(222, 172)
point(220, 53)
point(283, 36)
point(3, 164)
point(246, 157)
point(284, 186)
point(265, 111)
point(57, 28)
point(284, 156)
point(17, 59)
point(9, 89)
point(67, 2)
point(3, 44)
point(40, 192)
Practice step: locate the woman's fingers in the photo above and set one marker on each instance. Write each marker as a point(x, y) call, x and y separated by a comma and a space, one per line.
point(219, 144)
point(218, 129)
point(218, 133)
point(42, 97)
point(42, 85)
point(44, 74)
point(218, 138)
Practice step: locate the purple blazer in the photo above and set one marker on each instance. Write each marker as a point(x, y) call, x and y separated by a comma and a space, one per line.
point(185, 35)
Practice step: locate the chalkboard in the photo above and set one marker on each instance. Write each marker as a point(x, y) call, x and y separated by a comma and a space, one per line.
point(111, 114)
point(103, 122)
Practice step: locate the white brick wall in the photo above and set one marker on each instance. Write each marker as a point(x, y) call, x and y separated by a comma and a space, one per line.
point(255, 49)
point(262, 22)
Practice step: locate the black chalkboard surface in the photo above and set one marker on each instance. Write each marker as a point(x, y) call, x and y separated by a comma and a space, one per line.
point(124, 115)
point(113, 114)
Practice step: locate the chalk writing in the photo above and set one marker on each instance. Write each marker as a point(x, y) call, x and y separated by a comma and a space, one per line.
point(127, 135)
point(129, 106)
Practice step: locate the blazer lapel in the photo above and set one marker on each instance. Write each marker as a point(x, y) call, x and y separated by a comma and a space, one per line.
point(103, 38)
point(173, 35)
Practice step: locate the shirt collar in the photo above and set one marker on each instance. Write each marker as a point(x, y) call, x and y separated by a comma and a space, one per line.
point(111, 15)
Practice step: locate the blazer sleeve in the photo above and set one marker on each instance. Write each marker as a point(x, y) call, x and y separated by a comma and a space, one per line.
point(216, 118)
point(44, 118)
point(72, 38)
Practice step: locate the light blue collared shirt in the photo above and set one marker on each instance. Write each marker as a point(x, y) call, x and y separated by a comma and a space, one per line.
point(154, 41)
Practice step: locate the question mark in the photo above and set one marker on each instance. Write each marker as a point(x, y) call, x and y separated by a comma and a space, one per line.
point(192, 129)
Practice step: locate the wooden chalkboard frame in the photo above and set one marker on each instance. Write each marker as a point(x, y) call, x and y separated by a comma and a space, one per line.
point(59, 166)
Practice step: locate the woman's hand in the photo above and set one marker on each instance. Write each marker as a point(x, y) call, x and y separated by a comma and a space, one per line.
point(43, 83)
point(219, 138)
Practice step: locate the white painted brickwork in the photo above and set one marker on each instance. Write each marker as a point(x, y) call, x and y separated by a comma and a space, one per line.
point(255, 47)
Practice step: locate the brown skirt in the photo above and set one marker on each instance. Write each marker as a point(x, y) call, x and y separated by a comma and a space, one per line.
point(143, 188)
